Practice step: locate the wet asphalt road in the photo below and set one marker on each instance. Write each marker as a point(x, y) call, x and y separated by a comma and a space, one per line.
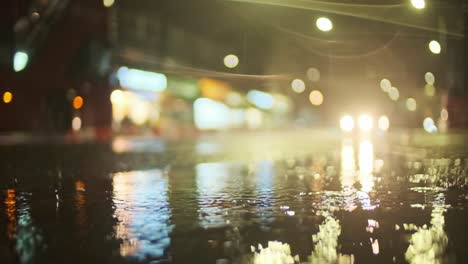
point(332, 198)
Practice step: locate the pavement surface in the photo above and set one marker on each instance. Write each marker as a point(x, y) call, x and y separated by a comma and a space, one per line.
point(323, 196)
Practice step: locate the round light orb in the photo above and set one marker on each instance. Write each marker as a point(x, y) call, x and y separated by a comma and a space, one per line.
point(324, 24)
point(429, 90)
point(7, 97)
point(411, 104)
point(444, 114)
point(418, 4)
point(231, 61)
point(429, 78)
point(298, 85)
point(365, 123)
point(385, 84)
point(316, 97)
point(347, 123)
point(384, 123)
point(394, 94)
point(429, 125)
point(434, 47)
point(313, 74)
point(108, 3)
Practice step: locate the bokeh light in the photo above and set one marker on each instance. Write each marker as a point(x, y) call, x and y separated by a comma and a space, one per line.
point(385, 84)
point(117, 97)
point(384, 123)
point(324, 24)
point(365, 122)
point(108, 3)
point(313, 74)
point(316, 97)
point(429, 90)
point(298, 85)
point(77, 102)
point(429, 78)
point(444, 114)
point(7, 97)
point(418, 4)
point(411, 104)
point(231, 61)
point(261, 99)
point(139, 113)
point(394, 94)
point(434, 47)
point(20, 60)
point(76, 123)
point(429, 125)
point(347, 123)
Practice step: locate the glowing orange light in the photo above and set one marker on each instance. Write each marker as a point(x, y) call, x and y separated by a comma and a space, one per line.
point(77, 102)
point(7, 97)
point(10, 202)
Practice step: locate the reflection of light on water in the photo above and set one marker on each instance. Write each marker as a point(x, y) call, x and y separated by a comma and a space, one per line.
point(80, 202)
point(326, 241)
point(264, 173)
point(428, 245)
point(348, 165)
point(10, 203)
point(275, 252)
point(211, 179)
point(142, 211)
point(366, 165)
point(29, 240)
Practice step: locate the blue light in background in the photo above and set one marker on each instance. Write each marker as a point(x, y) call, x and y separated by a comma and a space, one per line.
point(141, 80)
point(20, 60)
point(260, 99)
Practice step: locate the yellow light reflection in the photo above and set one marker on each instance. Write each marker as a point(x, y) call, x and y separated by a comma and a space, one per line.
point(366, 165)
point(80, 203)
point(428, 245)
point(348, 165)
point(7, 97)
point(10, 203)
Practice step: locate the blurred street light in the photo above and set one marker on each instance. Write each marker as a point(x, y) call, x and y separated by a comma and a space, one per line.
point(347, 123)
point(429, 90)
point(384, 123)
point(385, 84)
point(77, 102)
point(231, 61)
point(411, 104)
point(298, 85)
point(429, 126)
point(429, 78)
point(316, 97)
point(108, 3)
point(365, 123)
point(7, 97)
point(418, 4)
point(313, 74)
point(434, 47)
point(324, 24)
point(20, 60)
point(394, 93)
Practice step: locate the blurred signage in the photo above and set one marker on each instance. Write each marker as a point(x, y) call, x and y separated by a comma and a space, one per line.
point(183, 88)
point(214, 89)
point(141, 80)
